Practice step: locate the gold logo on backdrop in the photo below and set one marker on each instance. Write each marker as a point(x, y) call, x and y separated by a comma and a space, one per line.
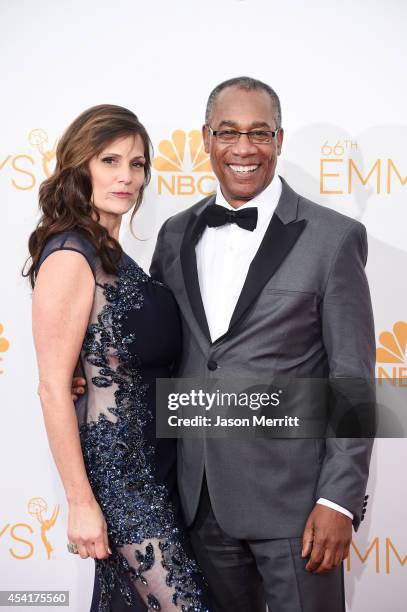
point(394, 344)
point(4, 344)
point(37, 506)
point(173, 156)
point(23, 170)
point(374, 553)
point(22, 535)
point(340, 172)
point(184, 157)
point(393, 351)
point(38, 138)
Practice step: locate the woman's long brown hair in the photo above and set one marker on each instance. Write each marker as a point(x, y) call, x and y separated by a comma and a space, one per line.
point(65, 199)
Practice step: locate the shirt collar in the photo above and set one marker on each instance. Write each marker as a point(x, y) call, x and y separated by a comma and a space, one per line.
point(266, 201)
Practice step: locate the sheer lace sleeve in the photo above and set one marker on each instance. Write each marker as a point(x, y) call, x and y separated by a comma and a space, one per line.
point(70, 241)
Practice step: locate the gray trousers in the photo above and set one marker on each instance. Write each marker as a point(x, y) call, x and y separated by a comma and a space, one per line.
point(245, 575)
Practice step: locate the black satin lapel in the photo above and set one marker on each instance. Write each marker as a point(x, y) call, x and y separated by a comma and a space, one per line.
point(190, 272)
point(278, 241)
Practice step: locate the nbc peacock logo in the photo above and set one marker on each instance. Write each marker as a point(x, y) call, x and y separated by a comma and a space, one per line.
point(183, 167)
point(393, 351)
point(4, 345)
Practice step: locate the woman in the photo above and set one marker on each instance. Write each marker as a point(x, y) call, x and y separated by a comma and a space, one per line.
point(95, 310)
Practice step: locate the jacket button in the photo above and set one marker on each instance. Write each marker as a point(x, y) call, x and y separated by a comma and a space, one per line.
point(212, 365)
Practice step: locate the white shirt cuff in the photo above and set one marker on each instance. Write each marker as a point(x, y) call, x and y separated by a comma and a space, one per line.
point(326, 502)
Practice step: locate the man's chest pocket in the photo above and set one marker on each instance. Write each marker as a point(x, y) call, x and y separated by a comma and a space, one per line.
point(292, 312)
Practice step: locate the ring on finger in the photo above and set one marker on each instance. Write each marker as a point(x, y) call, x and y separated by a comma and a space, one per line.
point(72, 548)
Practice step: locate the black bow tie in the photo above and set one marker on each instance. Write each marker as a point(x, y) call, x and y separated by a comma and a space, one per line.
point(215, 216)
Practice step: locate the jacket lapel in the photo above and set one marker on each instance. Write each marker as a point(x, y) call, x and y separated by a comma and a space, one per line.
point(280, 237)
point(192, 234)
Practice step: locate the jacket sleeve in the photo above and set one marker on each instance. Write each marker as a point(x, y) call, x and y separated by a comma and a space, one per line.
point(156, 267)
point(349, 339)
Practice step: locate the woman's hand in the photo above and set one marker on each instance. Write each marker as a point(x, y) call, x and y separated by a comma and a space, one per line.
point(78, 387)
point(88, 530)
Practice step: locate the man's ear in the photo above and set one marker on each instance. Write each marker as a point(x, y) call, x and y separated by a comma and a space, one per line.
point(206, 138)
point(280, 138)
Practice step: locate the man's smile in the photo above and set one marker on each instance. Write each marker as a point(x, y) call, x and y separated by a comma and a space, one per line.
point(243, 169)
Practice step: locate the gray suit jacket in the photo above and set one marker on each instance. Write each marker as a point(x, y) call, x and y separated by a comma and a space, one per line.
point(304, 311)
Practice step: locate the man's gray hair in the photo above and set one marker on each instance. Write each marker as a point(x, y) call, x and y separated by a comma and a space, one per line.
point(249, 84)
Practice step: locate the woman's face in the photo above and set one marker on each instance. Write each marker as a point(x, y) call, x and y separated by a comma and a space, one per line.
point(117, 174)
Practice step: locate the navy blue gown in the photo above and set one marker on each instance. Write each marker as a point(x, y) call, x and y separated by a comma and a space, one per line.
point(133, 337)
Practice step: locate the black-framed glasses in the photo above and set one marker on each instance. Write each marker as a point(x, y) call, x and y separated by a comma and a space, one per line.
point(255, 136)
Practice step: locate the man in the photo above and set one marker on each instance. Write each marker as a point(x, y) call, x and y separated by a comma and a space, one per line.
point(277, 290)
point(281, 290)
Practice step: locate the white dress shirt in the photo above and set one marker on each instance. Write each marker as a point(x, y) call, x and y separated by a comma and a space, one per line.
point(224, 255)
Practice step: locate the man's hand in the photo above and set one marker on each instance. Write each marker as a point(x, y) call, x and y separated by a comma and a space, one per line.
point(327, 538)
point(78, 387)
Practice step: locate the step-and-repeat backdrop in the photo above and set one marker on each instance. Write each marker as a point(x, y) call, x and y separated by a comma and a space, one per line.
point(339, 69)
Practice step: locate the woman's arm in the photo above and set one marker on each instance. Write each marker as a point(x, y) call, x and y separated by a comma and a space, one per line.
point(62, 301)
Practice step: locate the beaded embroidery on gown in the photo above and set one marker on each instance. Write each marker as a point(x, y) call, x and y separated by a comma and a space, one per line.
point(133, 337)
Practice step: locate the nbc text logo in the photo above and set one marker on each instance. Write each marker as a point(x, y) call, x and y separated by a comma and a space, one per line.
point(393, 351)
point(183, 166)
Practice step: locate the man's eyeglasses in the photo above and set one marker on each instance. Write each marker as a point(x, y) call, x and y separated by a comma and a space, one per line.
point(254, 136)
